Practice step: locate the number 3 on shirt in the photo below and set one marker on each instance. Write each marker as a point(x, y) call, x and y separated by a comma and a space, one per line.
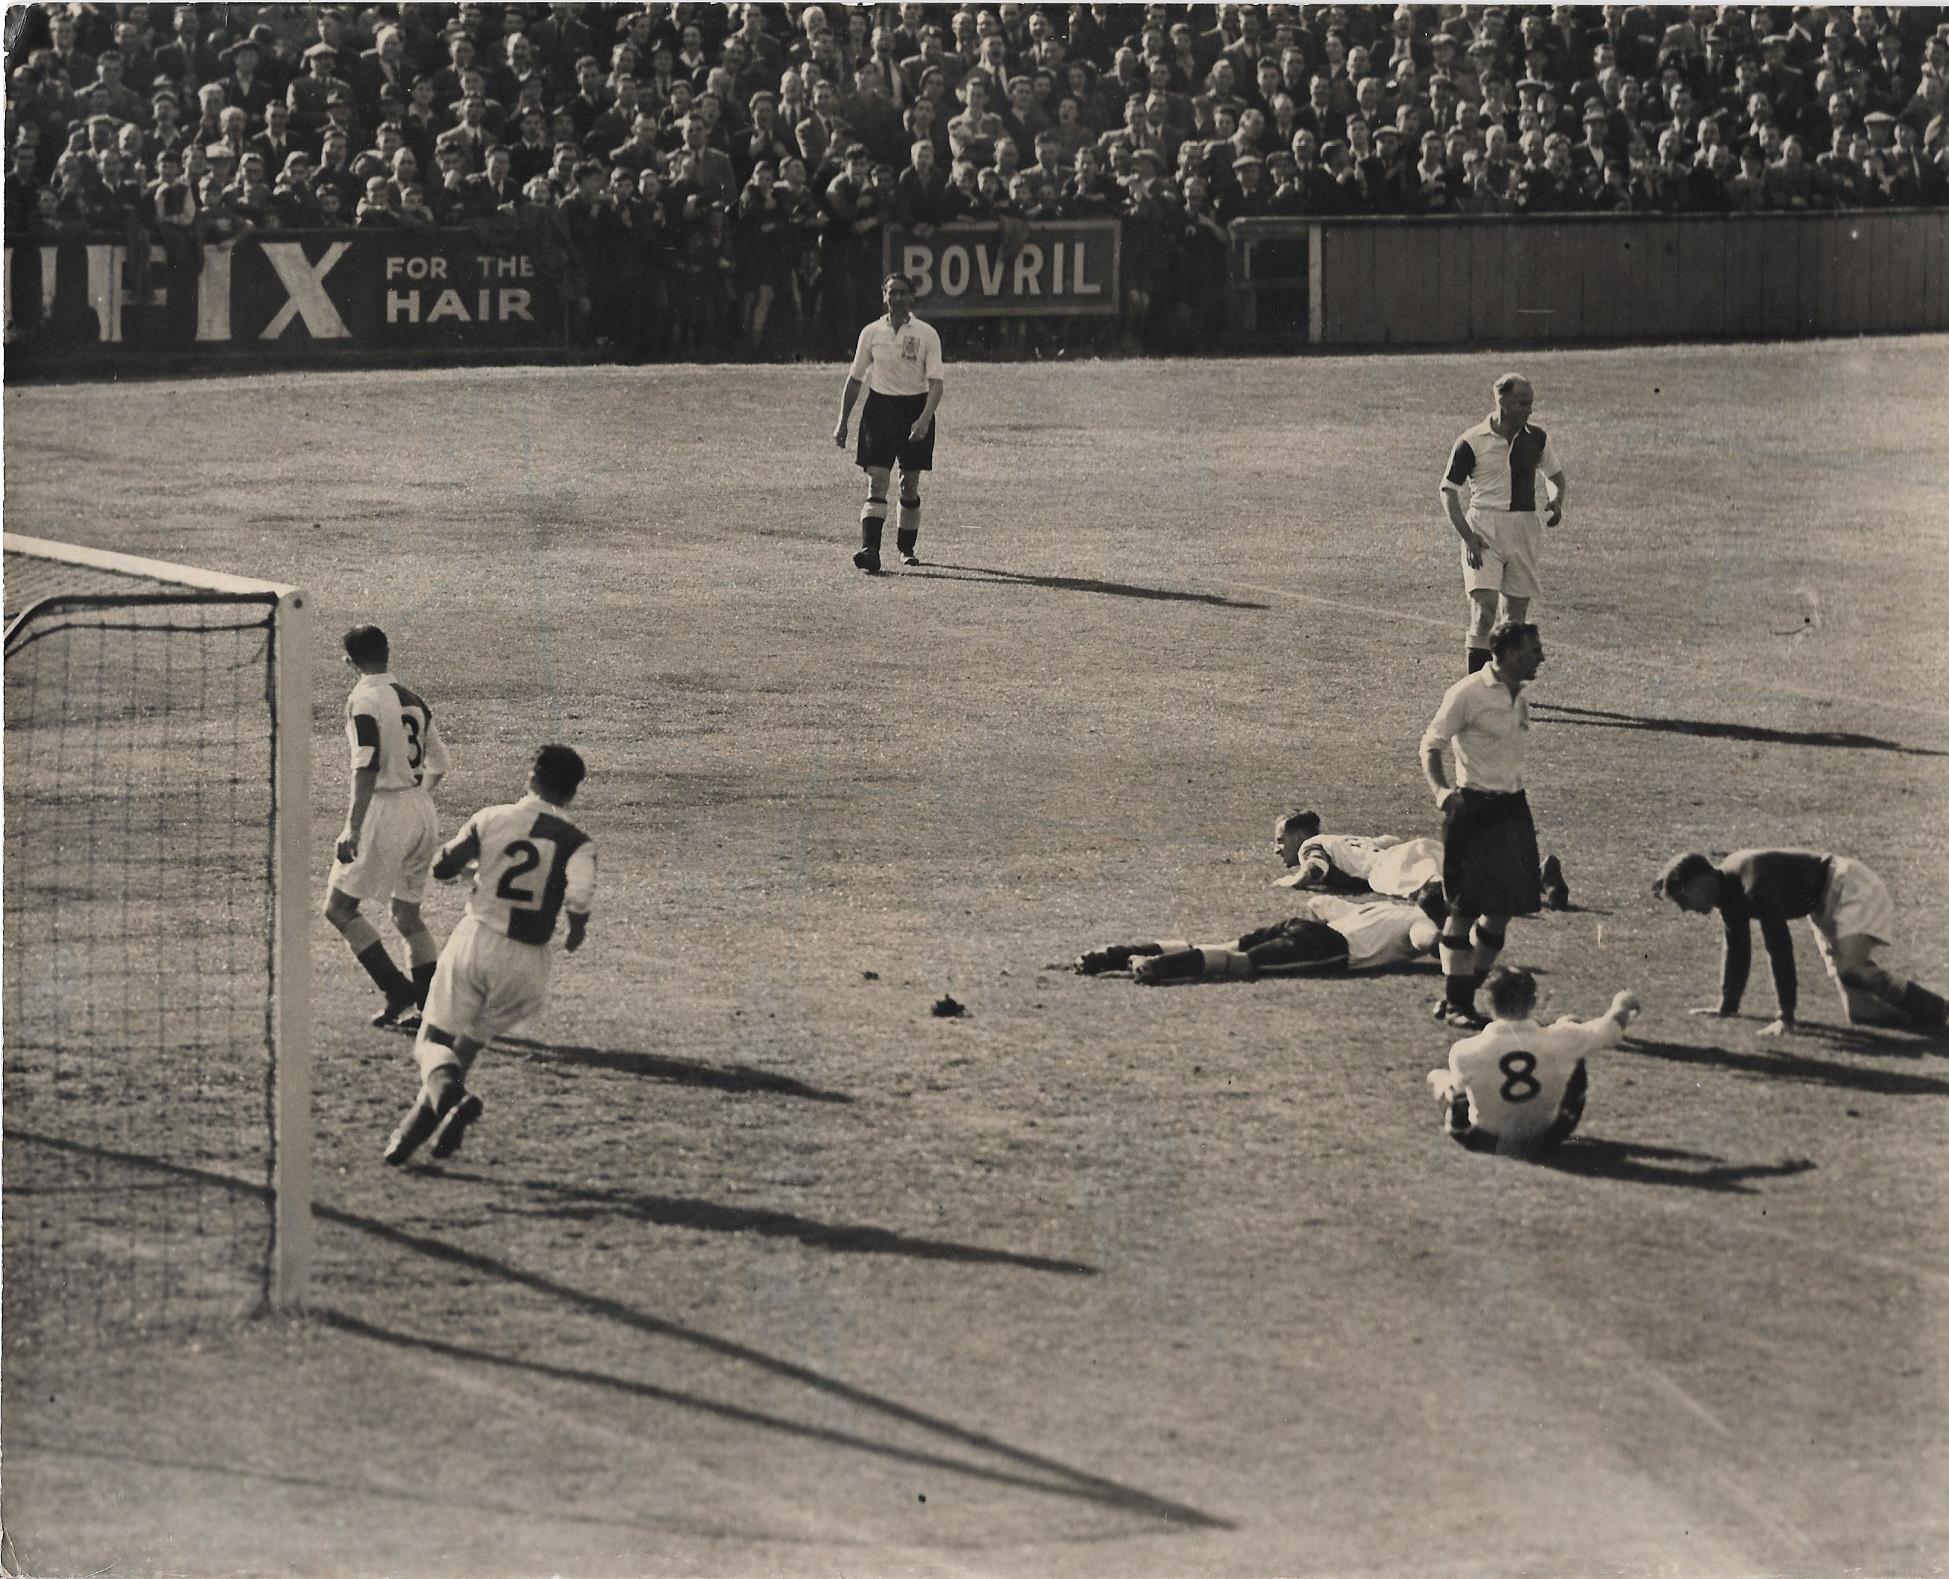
point(1519, 1082)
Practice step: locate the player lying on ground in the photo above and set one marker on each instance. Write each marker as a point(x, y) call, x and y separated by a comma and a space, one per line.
point(530, 863)
point(391, 828)
point(1330, 934)
point(1846, 904)
point(1516, 1087)
point(1382, 863)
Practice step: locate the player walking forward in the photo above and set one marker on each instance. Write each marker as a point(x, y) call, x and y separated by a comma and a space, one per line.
point(1497, 462)
point(532, 864)
point(899, 365)
point(1518, 1087)
point(1489, 866)
point(391, 828)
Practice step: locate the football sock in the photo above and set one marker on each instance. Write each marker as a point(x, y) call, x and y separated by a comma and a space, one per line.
point(1478, 656)
point(422, 982)
point(385, 974)
point(872, 522)
point(909, 531)
point(1487, 946)
point(1457, 958)
point(420, 949)
point(443, 1087)
point(1181, 965)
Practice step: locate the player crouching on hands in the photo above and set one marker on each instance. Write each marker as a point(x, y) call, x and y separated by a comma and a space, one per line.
point(531, 863)
point(1845, 903)
point(1517, 1088)
point(899, 365)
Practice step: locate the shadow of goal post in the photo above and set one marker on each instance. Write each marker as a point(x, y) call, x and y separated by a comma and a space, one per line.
point(50, 585)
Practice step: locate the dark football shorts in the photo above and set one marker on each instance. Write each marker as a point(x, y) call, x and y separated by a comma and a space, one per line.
point(1489, 861)
point(884, 426)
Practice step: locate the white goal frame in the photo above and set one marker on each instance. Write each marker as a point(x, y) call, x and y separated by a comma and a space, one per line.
point(291, 1049)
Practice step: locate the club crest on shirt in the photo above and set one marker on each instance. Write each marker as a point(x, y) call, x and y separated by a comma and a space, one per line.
point(910, 348)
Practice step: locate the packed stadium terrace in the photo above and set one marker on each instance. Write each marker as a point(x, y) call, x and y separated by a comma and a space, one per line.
point(717, 178)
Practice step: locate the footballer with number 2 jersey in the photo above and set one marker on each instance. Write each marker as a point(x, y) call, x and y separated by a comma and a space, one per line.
point(532, 865)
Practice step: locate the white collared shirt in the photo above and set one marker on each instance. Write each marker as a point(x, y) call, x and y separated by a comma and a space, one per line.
point(900, 361)
point(1486, 726)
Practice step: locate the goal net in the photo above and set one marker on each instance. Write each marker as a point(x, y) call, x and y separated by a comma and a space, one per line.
point(157, 1081)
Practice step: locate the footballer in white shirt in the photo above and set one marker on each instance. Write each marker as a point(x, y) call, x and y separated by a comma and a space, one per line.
point(532, 866)
point(898, 364)
point(1517, 1088)
point(391, 829)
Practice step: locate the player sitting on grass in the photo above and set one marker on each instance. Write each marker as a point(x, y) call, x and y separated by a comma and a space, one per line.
point(1331, 934)
point(1845, 903)
point(1515, 1087)
point(1383, 863)
point(531, 863)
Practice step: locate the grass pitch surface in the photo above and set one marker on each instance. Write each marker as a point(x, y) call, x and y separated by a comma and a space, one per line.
point(755, 1266)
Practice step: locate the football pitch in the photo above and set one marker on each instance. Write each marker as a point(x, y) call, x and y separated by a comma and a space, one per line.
point(756, 1266)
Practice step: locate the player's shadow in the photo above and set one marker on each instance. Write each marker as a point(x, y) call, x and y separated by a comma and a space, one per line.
point(1780, 1062)
point(985, 576)
point(1595, 1158)
point(660, 1066)
point(574, 1203)
point(1711, 729)
point(910, 1435)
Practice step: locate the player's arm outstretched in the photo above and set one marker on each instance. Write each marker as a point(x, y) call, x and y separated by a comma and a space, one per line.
point(456, 854)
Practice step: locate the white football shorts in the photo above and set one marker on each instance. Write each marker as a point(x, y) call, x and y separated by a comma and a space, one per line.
point(1857, 905)
point(485, 984)
point(1512, 543)
point(397, 845)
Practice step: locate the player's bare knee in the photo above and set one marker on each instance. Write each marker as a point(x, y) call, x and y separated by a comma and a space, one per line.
point(406, 915)
point(1515, 610)
point(341, 908)
point(1870, 978)
point(876, 481)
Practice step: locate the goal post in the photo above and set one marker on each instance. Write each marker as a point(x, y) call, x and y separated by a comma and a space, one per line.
point(158, 1097)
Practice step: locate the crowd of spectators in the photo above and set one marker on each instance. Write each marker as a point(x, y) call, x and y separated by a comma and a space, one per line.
point(709, 177)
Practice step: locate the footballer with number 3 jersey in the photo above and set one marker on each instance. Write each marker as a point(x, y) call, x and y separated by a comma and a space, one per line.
point(532, 867)
point(1516, 1087)
point(391, 829)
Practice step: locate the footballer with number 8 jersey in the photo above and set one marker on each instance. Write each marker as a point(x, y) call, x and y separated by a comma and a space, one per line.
point(391, 828)
point(532, 866)
point(1516, 1087)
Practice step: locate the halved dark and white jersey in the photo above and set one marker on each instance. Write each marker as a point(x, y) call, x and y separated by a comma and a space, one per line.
point(1492, 473)
point(390, 731)
point(533, 863)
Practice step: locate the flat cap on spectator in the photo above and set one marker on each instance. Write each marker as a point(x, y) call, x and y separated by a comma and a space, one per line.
point(391, 90)
point(1334, 146)
point(1245, 159)
point(229, 54)
point(1594, 110)
point(1775, 40)
point(426, 77)
point(1482, 46)
point(1877, 118)
point(102, 120)
point(1534, 84)
point(1151, 154)
point(321, 48)
point(163, 91)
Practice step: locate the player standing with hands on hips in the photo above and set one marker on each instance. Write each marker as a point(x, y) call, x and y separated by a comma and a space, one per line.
point(1489, 867)
point(1497, 462)
point(899, 365)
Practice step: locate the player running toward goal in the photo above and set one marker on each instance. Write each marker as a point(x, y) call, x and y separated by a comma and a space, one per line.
point(1516, 1087)
point(898, 363)
point(531, 865)
point(1497, 464)
point(391, 828)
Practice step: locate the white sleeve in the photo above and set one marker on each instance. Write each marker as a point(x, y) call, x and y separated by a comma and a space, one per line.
point(862, 356)
point(434, 753)
point(1578, 1037)
point(579, 891)
point(1548, 464)
point(935, 365)
point(1447, 722)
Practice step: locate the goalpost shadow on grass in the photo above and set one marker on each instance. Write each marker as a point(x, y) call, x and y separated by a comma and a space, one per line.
point(983, 575)
point(1017, 1467)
